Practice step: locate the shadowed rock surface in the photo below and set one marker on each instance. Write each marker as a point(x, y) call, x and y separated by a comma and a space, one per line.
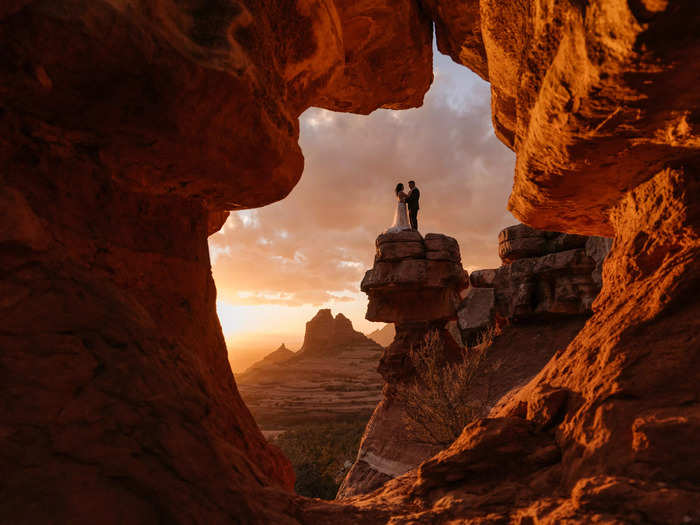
point(127, 128)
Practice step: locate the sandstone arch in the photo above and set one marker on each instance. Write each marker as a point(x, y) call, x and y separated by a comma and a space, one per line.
point(125, 124)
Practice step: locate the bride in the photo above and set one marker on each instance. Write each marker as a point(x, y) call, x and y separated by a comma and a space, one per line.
point(401, 214)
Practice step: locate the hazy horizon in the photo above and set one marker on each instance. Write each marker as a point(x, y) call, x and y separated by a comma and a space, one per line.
point(246, 353)
point(276, 266)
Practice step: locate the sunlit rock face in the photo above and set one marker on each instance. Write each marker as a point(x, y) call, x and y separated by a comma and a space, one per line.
point(545, 276)
point(202, 100)
point(594, 97)
point(415, 283)
point(602, 432)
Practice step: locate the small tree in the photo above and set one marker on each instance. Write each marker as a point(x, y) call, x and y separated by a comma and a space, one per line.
point(440, 400)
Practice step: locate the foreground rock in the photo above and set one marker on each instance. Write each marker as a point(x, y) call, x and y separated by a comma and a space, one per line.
point(557, 74)
point(415, 283)
point(333, 376)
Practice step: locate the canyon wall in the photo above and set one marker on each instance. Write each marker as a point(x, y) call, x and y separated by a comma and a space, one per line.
point(128, 128)
point(127, 131)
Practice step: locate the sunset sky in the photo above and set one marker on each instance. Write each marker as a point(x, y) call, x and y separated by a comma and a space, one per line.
point(275, 266)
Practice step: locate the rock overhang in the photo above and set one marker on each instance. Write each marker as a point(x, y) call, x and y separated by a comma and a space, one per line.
point(414, 278)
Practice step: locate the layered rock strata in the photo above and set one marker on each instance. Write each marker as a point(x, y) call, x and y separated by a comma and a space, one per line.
point(603, 432)
point(544, 275)
point(416, 283)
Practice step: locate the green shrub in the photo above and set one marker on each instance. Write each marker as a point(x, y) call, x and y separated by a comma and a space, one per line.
point(439, 401)
point(321, 454)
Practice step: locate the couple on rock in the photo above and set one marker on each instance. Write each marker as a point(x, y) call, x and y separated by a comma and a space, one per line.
point(407, 207)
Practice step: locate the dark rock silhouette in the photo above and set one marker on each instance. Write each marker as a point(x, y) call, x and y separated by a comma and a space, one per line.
point(326, 333)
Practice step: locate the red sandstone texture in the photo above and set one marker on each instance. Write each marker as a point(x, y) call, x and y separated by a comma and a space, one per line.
point(545, 275)
point(603, 432)
point(595, 97)
point(127, 130)
point(123, 126)
point(526, 340)
point(416, 283)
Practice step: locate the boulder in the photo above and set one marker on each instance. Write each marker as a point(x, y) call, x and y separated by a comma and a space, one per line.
point(393, 251)
point(483, 278)
point(476, 312)
point(548, 274)
point(412, 288)
point(558, 283)
point(521, 241)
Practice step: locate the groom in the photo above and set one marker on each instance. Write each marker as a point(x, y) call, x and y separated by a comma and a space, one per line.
point(412, 202)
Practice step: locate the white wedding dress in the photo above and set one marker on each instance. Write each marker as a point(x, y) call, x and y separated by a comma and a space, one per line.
point(400, 219)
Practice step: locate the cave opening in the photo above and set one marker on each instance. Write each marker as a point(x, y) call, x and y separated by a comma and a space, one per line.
point(127, 130)
point(275, 266)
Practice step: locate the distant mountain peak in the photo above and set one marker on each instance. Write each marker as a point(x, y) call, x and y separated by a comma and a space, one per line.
point(278, 356)
point(384, 336)
point(325, 332)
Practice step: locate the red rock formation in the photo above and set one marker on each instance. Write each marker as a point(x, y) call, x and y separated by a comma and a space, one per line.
point(594, 97)
point(123, 125)
point(544, 275)
point(324, 333)
point(126, 131)
point(415, 283)
point(604, 431)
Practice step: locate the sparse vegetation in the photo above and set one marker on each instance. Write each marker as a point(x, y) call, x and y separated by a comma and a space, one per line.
point(441, 400)
point(321, 454)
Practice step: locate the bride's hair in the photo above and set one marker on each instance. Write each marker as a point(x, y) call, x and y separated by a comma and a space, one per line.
point(399, 187)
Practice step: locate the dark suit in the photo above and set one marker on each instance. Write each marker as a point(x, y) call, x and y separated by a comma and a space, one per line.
point(412, 203)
